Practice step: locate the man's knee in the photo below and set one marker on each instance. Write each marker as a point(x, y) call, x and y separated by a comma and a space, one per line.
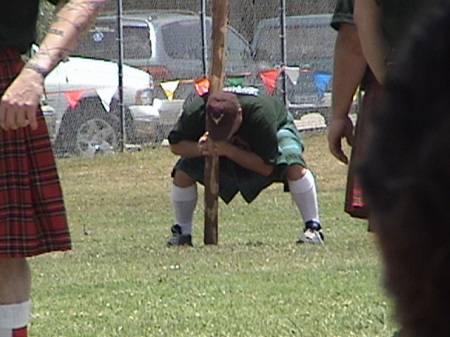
point(182, 179)
point(295, 172)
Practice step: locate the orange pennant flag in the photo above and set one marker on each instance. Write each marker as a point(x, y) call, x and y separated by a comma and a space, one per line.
point(73, 97)
point(269, 77)
point(202, 86)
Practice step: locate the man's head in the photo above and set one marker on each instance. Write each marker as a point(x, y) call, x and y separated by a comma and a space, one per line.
point(224, 115)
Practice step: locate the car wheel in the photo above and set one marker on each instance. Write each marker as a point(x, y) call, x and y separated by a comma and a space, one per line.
point(87, 129)
point(96, 135)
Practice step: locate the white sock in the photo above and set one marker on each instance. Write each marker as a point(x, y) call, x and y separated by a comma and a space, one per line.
point(303, 192)
point(184, 201)
point(14, 316)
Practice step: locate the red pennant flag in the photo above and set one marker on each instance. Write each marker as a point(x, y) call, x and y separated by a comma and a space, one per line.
point(269, 77)
point(73, 97)
point(202, 86)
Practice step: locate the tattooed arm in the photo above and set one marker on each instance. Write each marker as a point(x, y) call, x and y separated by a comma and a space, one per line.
point(70, 24)
point(19, 102)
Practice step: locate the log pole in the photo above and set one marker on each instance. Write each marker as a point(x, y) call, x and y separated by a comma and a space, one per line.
point(217, 75)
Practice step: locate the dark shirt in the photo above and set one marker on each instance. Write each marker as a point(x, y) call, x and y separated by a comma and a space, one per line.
point(343, 13)
point(262, 115)
point(397, 16)
point(18, 23)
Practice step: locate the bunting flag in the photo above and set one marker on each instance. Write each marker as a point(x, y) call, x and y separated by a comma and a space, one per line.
point(269, 78)
point(169, 88)
point(202, 86)
point(106, 95)
point(321, 79)
point(237, 81)
point(73, 97)
point(356, 95)
point(292, 73)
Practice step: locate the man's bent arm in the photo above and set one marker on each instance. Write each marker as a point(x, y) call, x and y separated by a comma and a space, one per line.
point(246, 159)
point(249, 160)
point(18, 104)
point(186, 148)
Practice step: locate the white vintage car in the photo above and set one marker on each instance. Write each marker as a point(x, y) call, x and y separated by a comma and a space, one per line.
point(82, 110)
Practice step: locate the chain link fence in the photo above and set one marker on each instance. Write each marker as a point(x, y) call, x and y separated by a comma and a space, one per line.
point(125, 88)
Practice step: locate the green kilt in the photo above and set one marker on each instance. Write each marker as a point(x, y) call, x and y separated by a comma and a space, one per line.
point(234, 178)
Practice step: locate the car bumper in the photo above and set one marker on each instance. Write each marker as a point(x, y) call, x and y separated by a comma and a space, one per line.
point(146, 119)
point(155, 121)
point(50, 119)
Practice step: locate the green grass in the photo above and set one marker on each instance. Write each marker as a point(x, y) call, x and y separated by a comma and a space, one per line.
point(121, 280)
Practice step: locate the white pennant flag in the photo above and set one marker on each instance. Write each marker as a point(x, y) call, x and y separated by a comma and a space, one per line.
point(293, 73)
point(106, 95)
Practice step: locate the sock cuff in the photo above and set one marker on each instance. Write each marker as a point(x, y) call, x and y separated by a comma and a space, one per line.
point(184, 193)
point(13, 316)
point(303, 184)
point(313, 224)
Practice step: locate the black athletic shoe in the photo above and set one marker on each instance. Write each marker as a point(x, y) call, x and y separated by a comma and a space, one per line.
point(178, 239)
point(312, 234)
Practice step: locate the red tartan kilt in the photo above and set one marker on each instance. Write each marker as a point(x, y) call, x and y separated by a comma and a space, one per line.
point(354, 201)
point(32, 213)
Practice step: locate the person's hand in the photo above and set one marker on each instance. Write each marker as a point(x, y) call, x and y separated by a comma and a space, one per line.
point(340, 128)
point(206, 145)
point(211, 147)
point(19, 102)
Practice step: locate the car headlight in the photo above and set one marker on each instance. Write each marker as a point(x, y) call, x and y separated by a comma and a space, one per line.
point(144, 97)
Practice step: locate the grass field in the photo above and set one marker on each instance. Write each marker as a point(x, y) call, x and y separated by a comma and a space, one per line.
point(121, 280)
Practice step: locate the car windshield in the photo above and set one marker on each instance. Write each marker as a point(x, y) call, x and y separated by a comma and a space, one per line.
point(303, 44)
point(102, 43)
point(183, 40)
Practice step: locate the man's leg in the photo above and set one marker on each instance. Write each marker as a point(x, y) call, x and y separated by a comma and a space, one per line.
point(184, 198)
point(15, 304)
point(302, 187)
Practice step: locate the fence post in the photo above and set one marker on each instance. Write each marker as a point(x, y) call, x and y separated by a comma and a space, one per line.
point(120, 75)
point(204, 44)
point(283, 49)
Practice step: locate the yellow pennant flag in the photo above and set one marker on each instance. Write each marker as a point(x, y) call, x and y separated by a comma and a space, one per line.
point(169, 88)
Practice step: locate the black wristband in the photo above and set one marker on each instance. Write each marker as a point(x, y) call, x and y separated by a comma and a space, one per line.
point(35, 67)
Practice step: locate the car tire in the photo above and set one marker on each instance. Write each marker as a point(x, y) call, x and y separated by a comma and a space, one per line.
point(96, 135)
point(88, 129)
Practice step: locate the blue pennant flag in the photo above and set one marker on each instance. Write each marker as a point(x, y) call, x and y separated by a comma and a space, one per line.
point(321, 79)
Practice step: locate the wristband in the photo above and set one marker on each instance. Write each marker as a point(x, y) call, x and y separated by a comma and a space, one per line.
point(35, 67)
